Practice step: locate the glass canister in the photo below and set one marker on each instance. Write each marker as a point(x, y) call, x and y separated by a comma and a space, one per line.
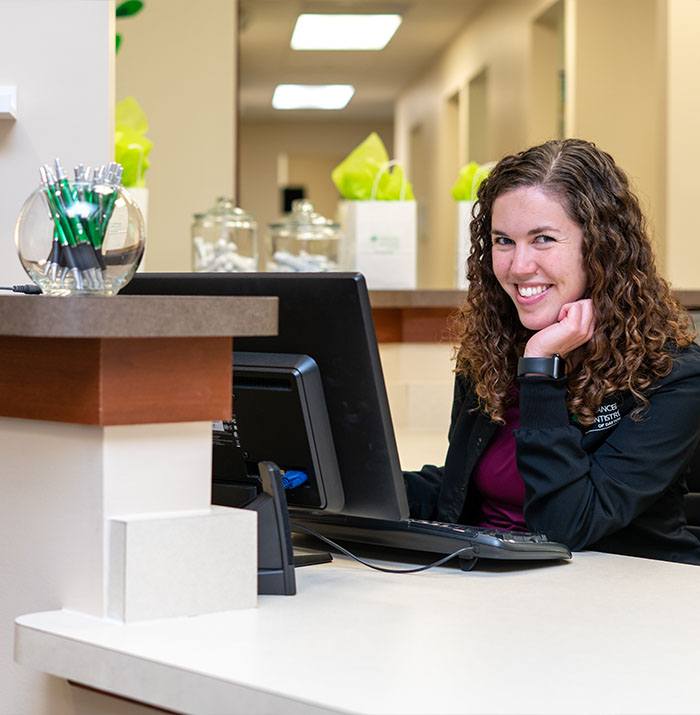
point(224, 239)
point(304, 241)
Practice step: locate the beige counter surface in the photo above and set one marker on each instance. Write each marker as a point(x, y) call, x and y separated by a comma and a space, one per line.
point(601, 634)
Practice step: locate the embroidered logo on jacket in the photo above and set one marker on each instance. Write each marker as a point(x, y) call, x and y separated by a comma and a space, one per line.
point(607, 416)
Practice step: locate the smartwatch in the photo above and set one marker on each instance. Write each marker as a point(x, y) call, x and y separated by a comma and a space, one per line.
point(552, 367)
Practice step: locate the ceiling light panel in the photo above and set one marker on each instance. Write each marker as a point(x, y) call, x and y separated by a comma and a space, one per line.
point(312, 96)
point(343, 32)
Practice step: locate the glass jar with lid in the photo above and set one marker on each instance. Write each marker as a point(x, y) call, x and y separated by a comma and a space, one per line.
point(304, 241)
point(224, 239)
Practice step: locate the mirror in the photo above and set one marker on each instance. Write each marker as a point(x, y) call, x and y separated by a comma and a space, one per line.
point(460, 80)
point(301, 148)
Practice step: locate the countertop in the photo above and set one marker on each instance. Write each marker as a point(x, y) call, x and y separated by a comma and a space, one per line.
point(602, 633)
point(136, 316)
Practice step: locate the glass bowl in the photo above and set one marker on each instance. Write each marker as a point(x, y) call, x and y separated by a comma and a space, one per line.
point(93, 248)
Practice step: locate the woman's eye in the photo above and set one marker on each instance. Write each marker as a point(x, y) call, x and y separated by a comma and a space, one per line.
point(544, 239)
point(502, 241)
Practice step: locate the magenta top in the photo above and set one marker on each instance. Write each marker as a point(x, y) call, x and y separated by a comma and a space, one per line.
point(498, 483)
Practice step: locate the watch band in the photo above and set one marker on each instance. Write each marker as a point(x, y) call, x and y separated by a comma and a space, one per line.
point(546, 366)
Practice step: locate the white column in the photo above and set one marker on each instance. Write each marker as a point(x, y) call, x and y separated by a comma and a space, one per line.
point(67, 489)
point(60, 56)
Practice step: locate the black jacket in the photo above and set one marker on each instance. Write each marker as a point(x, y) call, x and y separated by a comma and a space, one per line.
point(617, 486)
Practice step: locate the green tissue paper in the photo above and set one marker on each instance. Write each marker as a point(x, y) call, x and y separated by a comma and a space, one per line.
point(354, 177)
point(131, 146)
point(469, 180)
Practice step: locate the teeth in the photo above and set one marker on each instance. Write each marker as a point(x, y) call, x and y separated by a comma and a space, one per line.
point(529, 291)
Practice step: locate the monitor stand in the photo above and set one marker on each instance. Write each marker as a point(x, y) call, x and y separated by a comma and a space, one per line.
point(276, 558)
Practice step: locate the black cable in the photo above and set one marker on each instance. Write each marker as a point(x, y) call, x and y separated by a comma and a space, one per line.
point(439, 562)
point(29, 288)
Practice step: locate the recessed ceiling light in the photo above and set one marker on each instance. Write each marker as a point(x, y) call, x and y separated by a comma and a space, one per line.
point(312, 96)
point(343, 32)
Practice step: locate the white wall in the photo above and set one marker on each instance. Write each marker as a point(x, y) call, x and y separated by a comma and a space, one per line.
point(178, 59)
point(59, 54)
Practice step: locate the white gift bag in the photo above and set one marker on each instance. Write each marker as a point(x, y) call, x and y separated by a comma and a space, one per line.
point(380, 240)
point(464, 219)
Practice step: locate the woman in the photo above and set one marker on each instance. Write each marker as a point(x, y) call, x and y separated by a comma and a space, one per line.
point(577, 397)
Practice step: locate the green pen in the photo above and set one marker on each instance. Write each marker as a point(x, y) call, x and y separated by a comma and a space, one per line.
point(94, 217)
point(54, 259)
point(53, 262)
point(62, 229)
point(112, 176)
point(83, 189)
point(99, 193)
point(60, 221)
point(69, 197)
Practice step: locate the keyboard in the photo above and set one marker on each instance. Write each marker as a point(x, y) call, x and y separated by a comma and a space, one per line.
point(434, 536)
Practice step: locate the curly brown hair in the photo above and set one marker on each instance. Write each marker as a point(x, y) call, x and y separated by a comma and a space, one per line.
point(638, 321)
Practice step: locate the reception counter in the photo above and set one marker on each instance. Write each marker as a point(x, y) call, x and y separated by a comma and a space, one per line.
point(109, 536)
point(600, 634)
point(106, 406)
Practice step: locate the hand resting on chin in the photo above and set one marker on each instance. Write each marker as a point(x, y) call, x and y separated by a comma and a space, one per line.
point(574, 327)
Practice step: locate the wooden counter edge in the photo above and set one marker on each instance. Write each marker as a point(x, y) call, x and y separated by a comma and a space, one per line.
point(423, 316)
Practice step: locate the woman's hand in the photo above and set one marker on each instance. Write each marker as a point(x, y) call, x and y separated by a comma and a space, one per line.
point(574, 327)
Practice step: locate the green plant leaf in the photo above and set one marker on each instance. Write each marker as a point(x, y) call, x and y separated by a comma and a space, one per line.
point(128, 8)
point(118, 38)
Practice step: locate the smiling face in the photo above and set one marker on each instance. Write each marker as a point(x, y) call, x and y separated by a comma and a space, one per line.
point(537, 254)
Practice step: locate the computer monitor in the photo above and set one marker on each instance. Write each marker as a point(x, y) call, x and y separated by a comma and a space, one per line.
point(328, 317)
point(279, 414)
